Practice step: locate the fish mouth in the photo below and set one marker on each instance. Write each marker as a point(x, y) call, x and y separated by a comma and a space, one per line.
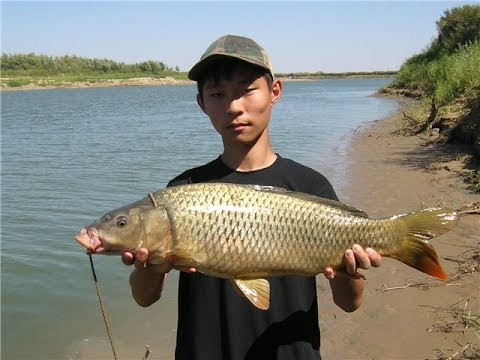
point(90, 239)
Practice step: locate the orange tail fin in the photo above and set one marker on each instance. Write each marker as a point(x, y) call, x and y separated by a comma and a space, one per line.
point(415, 249)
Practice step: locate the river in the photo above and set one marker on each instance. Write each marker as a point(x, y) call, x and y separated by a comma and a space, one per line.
point(70, 155)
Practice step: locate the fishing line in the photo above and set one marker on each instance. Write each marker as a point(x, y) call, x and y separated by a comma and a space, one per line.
point(102, 307)
point(107, 326)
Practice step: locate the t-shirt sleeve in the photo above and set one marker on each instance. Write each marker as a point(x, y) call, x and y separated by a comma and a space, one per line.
point(307, 180)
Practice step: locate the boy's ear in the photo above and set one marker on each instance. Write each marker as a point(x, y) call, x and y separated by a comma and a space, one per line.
point(276, 91)
point(200, 102)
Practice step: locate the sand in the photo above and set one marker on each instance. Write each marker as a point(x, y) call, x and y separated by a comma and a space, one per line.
point(388, 176)
point(141, 81)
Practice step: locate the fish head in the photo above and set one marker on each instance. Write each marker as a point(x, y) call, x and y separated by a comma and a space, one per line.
point(129, 228)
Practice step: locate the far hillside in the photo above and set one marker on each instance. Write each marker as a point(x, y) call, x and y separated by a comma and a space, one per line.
point(43, 70)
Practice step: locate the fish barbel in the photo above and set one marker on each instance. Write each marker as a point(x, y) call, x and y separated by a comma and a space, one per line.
point(248, 232)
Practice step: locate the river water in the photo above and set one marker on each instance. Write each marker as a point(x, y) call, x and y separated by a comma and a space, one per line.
point(70, 155)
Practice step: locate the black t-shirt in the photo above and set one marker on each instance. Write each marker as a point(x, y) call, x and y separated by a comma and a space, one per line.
point(215, 322)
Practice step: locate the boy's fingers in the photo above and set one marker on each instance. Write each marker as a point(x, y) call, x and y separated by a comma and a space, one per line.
point(350, 263)
point(141, 257)
point(185, 269)
point(127, 258)
point(329, 273)
point(375, 258)
point(361, 257)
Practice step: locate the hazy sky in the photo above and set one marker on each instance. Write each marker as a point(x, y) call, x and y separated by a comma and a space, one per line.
point(299, 36)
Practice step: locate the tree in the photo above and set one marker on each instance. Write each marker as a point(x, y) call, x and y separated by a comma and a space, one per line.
point(458, 27)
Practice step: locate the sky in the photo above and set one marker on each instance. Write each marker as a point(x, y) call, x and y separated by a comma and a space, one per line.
point(299, 36)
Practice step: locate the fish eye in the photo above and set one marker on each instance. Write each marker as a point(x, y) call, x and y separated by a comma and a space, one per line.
point(122, 221)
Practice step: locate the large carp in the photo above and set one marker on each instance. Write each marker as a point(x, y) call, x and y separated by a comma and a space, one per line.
point(248, 232)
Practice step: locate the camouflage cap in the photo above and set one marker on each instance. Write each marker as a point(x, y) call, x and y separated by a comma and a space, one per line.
point(233, 46)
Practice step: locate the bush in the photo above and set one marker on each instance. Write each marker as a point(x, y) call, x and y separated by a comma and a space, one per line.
point(449, 67)
point(458, 27)
point(457, 76)
point(43, 65)
point(446, 75)
point(17, 82)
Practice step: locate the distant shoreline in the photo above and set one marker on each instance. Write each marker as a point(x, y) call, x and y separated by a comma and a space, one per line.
point(140, 81)
point(152, 81)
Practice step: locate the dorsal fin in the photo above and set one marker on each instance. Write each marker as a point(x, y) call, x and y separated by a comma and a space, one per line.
point(313, 198)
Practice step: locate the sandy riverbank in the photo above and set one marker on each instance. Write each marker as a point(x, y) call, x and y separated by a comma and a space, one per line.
point(388, 176)
point(141, 81)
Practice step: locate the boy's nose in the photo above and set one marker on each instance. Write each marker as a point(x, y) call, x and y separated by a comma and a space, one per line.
point(235, 106)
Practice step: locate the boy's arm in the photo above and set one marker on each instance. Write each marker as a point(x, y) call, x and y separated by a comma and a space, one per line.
point(147, 280)
point(146, 285)
point(347, 290)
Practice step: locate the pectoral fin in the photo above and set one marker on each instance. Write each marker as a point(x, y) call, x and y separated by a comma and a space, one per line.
point(257, 291)
point(188, 257)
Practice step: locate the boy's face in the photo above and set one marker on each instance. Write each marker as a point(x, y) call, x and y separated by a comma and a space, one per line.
point(239, 107)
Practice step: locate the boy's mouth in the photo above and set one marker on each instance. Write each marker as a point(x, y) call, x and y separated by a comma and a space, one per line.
point(237, 127)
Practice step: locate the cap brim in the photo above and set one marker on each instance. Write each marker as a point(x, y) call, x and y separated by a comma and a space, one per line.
point(199, 68)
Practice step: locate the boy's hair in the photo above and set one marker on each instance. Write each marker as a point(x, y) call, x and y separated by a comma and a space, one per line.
point(222, 68)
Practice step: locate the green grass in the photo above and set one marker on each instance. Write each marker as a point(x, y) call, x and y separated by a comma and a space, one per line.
point(446, 79)
point(16, 82)
point(457, 75)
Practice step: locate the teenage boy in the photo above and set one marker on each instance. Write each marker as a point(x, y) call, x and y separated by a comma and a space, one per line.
point(237, 91)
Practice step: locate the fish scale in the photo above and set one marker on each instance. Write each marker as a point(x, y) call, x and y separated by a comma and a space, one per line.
point(278, 242)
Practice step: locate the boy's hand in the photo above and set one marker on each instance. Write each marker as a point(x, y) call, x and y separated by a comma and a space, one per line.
point(355, 258)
